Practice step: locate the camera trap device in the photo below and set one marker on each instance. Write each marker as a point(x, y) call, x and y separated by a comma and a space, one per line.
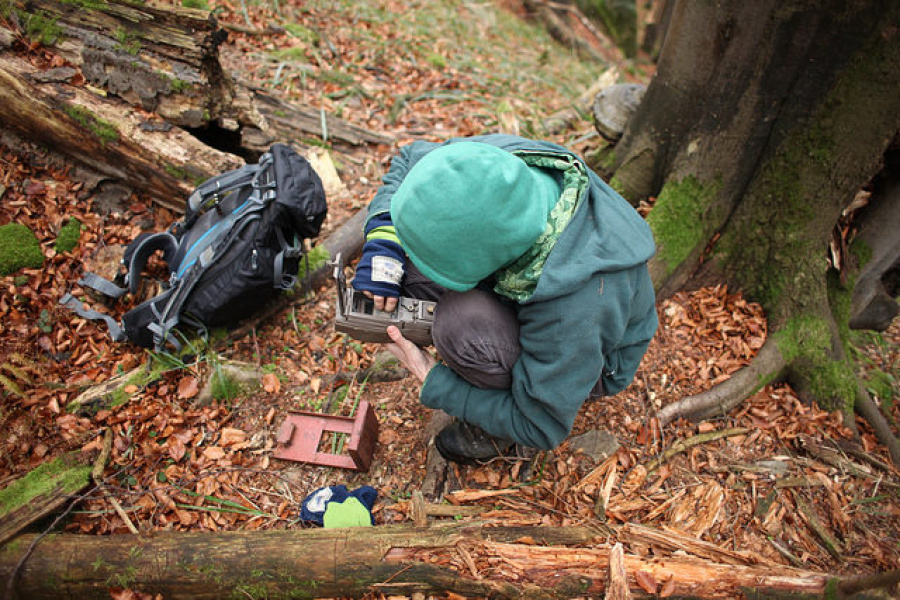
point(357, 316)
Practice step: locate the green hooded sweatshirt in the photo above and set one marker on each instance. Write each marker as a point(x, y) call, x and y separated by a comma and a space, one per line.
point(591, 314)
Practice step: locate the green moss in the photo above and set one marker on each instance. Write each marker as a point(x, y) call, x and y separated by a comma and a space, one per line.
point(68, 236)
point(128, 41)
point(88, 4)
point(198, 4)
point(101, 128)
point(65, 473)
point(803, 336)
point(175, 84)
point(176, 172)
point(436, 60)
point(882, 385)
point(19, 249)
point(677, 219)
point(40, 27)
point(295, 53)
point(861, 252)
point(805, 343)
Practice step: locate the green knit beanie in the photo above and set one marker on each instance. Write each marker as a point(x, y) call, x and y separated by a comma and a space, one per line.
point(467, 209)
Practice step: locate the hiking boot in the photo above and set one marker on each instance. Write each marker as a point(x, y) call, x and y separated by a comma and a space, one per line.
point(466, 444)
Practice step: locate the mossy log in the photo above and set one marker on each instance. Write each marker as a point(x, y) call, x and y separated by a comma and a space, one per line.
point(40, 492)
point(100, 135)
point(161, 59)
point(139, 83)
point(501, 562)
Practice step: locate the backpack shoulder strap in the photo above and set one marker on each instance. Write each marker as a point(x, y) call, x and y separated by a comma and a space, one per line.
point(115, 330)
point(139, 251)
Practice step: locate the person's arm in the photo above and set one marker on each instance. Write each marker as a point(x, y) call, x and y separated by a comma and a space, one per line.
point(624, 360)
point(379, 271)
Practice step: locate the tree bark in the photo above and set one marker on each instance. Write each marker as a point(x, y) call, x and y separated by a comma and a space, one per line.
point(761, 125)
point(530, 562)
point(161, 59)
point(873, 305)
point(155, 80)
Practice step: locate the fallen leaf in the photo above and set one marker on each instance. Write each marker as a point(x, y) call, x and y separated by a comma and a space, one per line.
point(214, 453)
point(176, 448)
point(270, 383)
point(230, 436)
point(188, 387)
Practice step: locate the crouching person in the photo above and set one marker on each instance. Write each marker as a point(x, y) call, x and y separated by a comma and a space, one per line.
point(539, 270)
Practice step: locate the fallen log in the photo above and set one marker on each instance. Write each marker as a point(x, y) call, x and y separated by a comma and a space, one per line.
point(40, 492)
point(100, 134)
point(504, 562)
point(162, 59)
point(140, 89)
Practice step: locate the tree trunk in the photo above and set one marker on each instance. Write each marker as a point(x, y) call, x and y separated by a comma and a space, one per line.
point(873, 304)
point(468, 559)
point(763, 122)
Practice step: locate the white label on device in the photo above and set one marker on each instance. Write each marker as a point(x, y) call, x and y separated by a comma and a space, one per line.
point(387, 269)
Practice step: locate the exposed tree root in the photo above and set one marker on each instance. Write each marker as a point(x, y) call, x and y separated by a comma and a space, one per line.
point(683, 445)
point(867, 408)
point(766, 366)
point(719, 400)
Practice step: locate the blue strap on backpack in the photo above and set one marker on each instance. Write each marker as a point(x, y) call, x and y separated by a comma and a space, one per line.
point(239, 244)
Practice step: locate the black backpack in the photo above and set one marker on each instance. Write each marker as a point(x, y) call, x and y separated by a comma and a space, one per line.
point(239, 244)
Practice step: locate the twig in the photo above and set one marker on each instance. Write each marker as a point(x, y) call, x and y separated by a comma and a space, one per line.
point(97, 475)
point(103, 458)
point(831, 544)
point(270, 30)
point(683, 445)
point(792, 558)
point(256, 347)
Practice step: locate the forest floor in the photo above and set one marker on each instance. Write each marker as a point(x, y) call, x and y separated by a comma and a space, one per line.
point(181, 464)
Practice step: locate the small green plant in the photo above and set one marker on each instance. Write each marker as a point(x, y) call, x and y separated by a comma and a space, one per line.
point(436, 60)
point(68, 236)
point(40, 27)
point(312, 261)
point(19, 249)
point(128, 41)
point(15, 371)
point(45, 321)
point(178, 85)
point(304, 34)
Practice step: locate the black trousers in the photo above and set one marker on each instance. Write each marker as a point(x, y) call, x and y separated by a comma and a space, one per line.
point(476, 332)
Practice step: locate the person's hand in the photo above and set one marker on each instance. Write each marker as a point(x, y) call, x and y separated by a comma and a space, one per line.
point(413, 357)
point(385, 303)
